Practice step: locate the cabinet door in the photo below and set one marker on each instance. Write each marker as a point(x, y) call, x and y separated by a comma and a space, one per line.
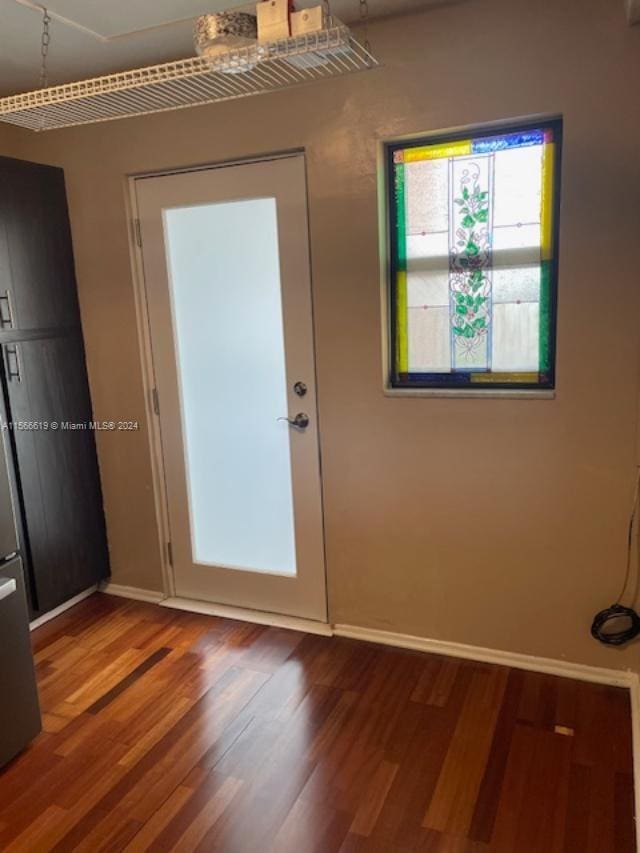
point(37, 279)
point(57, 467)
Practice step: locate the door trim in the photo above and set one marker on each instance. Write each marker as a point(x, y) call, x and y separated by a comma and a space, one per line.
point(148, 383)
point(218, 164)
point(143, 323)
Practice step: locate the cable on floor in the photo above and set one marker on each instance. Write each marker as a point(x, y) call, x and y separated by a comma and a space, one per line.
point(618, 613)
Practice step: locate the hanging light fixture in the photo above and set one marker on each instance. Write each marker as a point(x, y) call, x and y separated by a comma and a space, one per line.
point(219, 34)
point(231, 64)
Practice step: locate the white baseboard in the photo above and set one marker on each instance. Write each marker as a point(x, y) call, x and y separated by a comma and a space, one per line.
point(47, 617)
point(276, 620)
point(552, 666)
point(131, 592)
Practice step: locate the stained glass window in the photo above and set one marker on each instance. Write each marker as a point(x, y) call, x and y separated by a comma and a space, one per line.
point(473, 224)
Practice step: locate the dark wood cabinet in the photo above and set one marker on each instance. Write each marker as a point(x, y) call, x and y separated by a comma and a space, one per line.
point(53, 468)
point(58, 473)
point(37, 282)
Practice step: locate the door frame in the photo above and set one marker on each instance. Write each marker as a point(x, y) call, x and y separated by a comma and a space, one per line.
point(154, 435)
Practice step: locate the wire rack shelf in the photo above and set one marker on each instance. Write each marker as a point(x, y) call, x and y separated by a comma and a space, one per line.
point(238, 73)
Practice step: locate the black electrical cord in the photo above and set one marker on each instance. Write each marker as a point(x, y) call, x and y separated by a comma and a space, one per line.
point(617, 610)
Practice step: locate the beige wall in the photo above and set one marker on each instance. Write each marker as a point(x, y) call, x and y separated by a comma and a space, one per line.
point(494, 522)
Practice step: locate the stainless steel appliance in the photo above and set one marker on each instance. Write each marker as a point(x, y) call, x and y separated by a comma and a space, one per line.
point(19, 708)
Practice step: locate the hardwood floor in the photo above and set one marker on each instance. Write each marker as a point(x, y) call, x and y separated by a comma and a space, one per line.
point(173, 731)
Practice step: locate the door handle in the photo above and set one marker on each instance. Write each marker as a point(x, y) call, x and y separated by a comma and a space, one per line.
point(300, 421)
point(6, 311)
point(13, 363)
point(7, 587)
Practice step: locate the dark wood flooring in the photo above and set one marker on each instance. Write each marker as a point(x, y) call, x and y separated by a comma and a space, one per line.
point(172, 731)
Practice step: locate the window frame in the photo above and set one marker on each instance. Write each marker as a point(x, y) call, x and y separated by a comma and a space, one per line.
point(448, 386)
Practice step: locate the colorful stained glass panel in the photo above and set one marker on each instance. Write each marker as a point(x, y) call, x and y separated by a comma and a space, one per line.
point(473, 265)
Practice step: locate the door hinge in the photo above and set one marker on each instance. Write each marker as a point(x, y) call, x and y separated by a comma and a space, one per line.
point(155, 401)
point(137, 233)
point(170, 553)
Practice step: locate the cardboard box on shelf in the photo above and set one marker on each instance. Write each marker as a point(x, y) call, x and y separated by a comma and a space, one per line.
point(273, 19)
point(307, 21)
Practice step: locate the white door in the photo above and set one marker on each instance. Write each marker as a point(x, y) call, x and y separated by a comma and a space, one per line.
point(226, 267)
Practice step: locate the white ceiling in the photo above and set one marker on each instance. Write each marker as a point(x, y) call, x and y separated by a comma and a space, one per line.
point(92, 37)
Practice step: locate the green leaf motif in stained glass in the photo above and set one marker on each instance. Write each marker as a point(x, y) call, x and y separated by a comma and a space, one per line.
point(470, 258)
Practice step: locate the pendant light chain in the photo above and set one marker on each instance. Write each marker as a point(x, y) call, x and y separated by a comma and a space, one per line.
point(364, 18)
point(44, 48)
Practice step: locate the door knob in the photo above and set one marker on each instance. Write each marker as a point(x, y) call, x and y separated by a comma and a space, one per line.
point(301, 420)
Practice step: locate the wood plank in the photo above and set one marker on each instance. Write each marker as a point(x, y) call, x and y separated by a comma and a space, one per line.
point(490, 791)
point(443, 683)
point(373, 800)
point(212, 809)
point(119, 688)
point(451, 808)
point(158, 822)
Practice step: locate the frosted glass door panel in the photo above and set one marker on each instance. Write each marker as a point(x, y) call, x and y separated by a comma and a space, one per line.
point(224, 273)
